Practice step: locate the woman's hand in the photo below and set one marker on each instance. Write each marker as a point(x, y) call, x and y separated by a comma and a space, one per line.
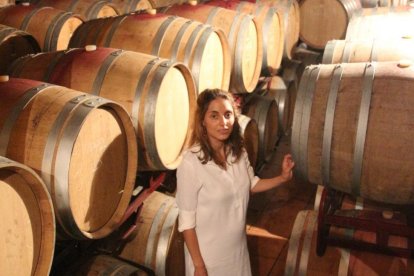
point(200, 271)
point(287, 166)
point(270, 183)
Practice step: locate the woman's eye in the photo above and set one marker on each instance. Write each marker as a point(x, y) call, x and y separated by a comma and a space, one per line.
point(228, 115)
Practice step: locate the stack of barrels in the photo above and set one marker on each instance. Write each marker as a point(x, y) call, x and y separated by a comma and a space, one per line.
point(351, 127)
point(97, 93)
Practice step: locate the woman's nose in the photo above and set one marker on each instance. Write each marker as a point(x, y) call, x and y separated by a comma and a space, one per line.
point(223, 121)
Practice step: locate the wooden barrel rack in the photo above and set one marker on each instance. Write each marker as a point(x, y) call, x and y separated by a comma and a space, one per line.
point(72, 249)
point(375, 221)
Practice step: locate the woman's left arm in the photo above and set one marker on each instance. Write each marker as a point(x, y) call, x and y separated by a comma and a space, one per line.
point(270, 183)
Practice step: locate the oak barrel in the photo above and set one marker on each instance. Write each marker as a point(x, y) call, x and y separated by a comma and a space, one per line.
point(344, 51)
point(276, 89)
point(14, 44)
point(383, 3)
point(303, 260)
point(52, 28)
point(202, 48)
point(104, 265)
point(250, 134)
point(165, 3)
point(345, 133)
point(291, 21)
point(244, 38)
point(270, 23)
point(89, 9)
point(381, 23)
point(264, 112)
point(158, 94)
point(83, 147)
point(6, 3)
point(292, 71)
point(324, 20)
point(27, 229)
point(129, 6)
point(158, 244)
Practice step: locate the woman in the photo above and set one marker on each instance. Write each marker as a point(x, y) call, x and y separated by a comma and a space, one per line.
point(214, 182)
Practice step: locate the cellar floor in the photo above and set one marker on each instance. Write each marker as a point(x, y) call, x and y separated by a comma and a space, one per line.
point(271, 216)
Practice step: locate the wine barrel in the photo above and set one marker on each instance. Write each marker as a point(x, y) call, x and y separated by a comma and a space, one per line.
point(291, 75)
point(27, 230)
point(270, 24)
point(244, 38)
point(128, 6)
point(4, 3)
point(51, 28)
point(250, 134)
point(344, 51)
point(83, 146)
point(334, 143)
point(397, 3)
point(14, 44)
point(104, 265)
point(383, 3)
point(324, 20)
point(303, 260)
point(264, 112)
point(157, 244)
point(381, 23)
point(89, 9)
point(374, 3)
point(202, 48)
point(165, 3)
point(276, 89)
point(158, 94)
point(291, 21)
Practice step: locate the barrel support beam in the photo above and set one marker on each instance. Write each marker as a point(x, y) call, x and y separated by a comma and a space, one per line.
point(330, 214)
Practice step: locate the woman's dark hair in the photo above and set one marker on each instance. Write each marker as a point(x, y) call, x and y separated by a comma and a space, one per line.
point(233, 145)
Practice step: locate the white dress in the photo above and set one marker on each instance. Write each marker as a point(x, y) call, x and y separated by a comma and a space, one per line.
point(214, 202)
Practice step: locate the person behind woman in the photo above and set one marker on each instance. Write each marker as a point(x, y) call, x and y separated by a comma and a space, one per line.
point(214, 182)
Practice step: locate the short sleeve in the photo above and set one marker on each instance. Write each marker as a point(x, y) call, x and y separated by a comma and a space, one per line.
point(253, 178)
point(188, 187)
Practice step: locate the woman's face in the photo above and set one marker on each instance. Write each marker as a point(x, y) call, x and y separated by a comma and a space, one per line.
point(219, 121)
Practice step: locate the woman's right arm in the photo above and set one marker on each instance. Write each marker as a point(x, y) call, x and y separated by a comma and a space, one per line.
point(190, 238)
point(188, 188)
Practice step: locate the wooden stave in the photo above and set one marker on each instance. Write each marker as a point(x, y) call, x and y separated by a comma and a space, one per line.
point(208, 14)
point(291, 14)
point(250, 133)
point(264, 15)
point(9, 35)
point(104, 265)
point(347, 9)
point(264, 112)
point(345, 51)
point(382, 23)
point(303, 260)
point(129, 6)
point(46, 247)
point(156, 235)
point(88, 9)
point(302, 144)
point(101, 67)
point(50, 35)
point(114, 30)
point(276, 89)
point(383, 3)
point(79, 106)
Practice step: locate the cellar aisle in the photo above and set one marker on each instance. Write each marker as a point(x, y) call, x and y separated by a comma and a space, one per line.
point(271, 215)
